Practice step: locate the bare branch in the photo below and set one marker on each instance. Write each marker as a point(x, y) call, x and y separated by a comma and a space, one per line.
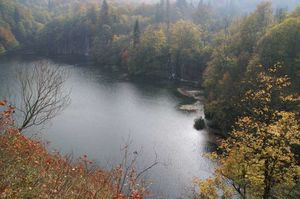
point(130, 179)
point(155, 162)
point(42, 93)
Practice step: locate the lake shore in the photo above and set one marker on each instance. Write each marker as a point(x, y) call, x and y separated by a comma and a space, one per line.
point(105, 110)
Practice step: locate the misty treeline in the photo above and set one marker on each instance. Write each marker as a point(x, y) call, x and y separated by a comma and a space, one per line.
point(245, 55)
point(213, 42)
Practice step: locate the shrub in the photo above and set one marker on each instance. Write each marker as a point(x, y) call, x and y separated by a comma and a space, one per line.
point(28, 170)
point(199, 124)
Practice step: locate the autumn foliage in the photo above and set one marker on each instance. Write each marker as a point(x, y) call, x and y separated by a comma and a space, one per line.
point(259, 159)
point(28, 170)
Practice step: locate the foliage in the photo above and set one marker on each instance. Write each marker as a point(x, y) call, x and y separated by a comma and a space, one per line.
point(199, 124)
point(253, 40)
point(89, 28)
point(149, 56)
point(8, 40)
point(213, 42)
point(258, 159)
point(186, 49)
point(280, 44)
point(28, 170)
point(18, 25)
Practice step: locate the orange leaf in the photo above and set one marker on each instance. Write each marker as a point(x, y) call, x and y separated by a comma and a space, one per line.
point(2, 102)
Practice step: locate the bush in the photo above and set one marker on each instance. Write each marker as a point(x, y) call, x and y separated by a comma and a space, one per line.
point(28, 170)
point(199, 124)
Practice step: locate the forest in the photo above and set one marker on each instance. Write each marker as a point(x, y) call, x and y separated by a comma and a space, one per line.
point(213, 43)
point(244, 55)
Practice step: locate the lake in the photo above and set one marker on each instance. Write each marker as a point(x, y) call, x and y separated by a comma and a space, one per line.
point(105, 112)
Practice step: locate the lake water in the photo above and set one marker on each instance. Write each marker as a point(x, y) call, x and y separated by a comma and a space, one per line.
point(105, 112)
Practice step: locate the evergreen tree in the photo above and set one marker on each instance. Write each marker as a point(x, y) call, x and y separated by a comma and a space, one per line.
point(181, 4)
point(280, 14)
point(50, 5)
point(201, 4)
point(104, 14)
point(92, 14)
point(159, 14)
point(102, 45)
point(168, 14)
point(17, 15)
point(136, 33)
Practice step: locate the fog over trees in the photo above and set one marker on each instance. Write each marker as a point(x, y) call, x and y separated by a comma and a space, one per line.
point(242, 56)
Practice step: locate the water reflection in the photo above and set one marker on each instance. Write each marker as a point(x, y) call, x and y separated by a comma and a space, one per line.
point(105, 111)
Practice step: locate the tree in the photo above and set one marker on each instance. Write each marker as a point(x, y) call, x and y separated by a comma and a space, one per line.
point(203, 15)
point(50, 5)
point(258, 159)
point(185, 48)
point(160, 12)
point(42, 94)
point(181, 4)
point(17, 16)
point(149, 57)
point(280, 14)
point(136, 33)
point(255, 26)
point(281, 44)
point(232, 55)
point(200, 4)
point(102, 45)
point(18, 24)
point(168, 14)
point(2, 49)
point(92, 14)
point(7, 39)
point(104, 13)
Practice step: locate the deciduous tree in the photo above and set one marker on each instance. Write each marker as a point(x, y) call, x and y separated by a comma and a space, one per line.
point(42, 94)
point(258, 160)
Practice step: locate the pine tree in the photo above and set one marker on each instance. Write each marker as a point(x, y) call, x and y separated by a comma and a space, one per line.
point(136, 33)
point(181, 4)
point(50, 5)
point(104, 14)
point(201, 4)
point(17, 15)
point(168, 14)
point(159, 13)
point(280, 14)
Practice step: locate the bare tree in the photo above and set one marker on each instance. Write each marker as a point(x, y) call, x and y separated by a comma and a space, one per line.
point(130, 178)
point(42, 94)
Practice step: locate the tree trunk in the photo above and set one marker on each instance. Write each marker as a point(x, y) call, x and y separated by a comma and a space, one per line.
point(267, 181)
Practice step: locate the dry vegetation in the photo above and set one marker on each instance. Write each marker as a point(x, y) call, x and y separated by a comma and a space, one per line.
point(28, 170)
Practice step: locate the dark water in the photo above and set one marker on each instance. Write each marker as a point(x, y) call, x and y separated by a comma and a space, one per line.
point(105, 112)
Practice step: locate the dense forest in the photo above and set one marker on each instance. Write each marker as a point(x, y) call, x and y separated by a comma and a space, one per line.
point(244, 54)
point(212, 42)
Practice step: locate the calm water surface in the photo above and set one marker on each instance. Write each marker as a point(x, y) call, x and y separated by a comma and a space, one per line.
point(105, 112)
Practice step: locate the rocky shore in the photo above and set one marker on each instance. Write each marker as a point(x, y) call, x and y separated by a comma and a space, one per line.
point(197, 95)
